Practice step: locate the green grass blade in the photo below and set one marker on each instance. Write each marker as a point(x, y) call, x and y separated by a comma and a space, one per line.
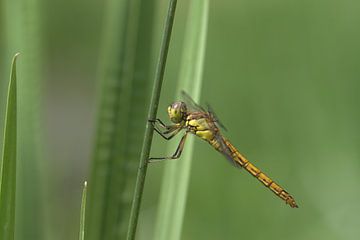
point(176, 176)
point(82, 213)
point(8, 164)
point(122, 106)
point(112, 84)
point(136, 119)
point(23, 34)
point(154, 102)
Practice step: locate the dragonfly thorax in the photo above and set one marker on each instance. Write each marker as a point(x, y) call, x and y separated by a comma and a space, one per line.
point(177, 112)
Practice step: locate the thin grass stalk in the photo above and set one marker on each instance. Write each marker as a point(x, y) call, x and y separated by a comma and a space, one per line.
point(82, 213)
point(122, 107)
point(154, 102)
point(8, 163)
point(172, 204)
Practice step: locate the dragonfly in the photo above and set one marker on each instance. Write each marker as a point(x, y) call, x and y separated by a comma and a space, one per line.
point(191, 117)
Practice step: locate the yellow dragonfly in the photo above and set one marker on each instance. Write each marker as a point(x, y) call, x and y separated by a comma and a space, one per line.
point(189, 116)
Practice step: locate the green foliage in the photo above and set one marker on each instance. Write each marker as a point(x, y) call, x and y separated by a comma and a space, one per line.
point(154, 102)
point(82, 213)
point(121, 116)
point(171, 207)
point(283, 76)
point(8, 163)
point(23, 34)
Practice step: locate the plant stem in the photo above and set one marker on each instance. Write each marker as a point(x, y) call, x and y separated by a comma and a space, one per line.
point(82, 213)
point(154, 103)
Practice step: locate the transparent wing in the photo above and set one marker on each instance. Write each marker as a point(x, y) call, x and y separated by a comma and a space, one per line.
point(192, 105)
point(215, 117)
point(226, 151)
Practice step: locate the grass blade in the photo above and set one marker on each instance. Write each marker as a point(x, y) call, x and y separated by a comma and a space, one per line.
point(176, 176)
point(23, 34)
point(124, 73)
point(82, 213)
point(111, 84)
point(8, 164)
point(154, 102)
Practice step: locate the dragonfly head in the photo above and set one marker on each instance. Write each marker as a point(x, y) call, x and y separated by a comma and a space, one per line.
point(177, 112)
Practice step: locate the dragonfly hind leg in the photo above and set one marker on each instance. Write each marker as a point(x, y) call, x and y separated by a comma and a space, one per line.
point(176, 155)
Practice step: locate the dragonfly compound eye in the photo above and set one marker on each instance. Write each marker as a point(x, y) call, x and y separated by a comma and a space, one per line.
point(177, 111)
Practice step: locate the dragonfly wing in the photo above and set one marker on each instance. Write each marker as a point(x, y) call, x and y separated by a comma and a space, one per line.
point(215, 117)
point(191, 103)
point(196, 107)
point(224, 149)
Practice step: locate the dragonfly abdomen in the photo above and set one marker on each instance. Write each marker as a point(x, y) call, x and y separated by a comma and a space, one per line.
point(262, 177)
point(269, 183)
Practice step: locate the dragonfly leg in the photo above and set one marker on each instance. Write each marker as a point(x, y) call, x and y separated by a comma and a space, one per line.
point(174, 129)
point(161, 123)
point(176, 155)
point(163, 134)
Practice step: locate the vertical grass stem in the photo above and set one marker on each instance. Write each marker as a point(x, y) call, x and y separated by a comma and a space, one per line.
point(154, 102)
point(82, 213)
point(173, 195)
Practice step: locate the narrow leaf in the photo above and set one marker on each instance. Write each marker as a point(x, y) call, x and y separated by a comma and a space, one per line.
point(82, 213)
point(24, 33)
point(124, 73)
point(154, 102)
point(176, 176)
point(8, 164)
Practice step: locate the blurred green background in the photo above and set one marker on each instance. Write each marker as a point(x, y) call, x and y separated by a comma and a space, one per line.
point(283, 76)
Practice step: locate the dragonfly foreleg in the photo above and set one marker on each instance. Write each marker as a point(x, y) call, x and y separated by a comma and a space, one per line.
point(174, 129)
point(161, 124)
point(168, 137)
point(176, 155)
